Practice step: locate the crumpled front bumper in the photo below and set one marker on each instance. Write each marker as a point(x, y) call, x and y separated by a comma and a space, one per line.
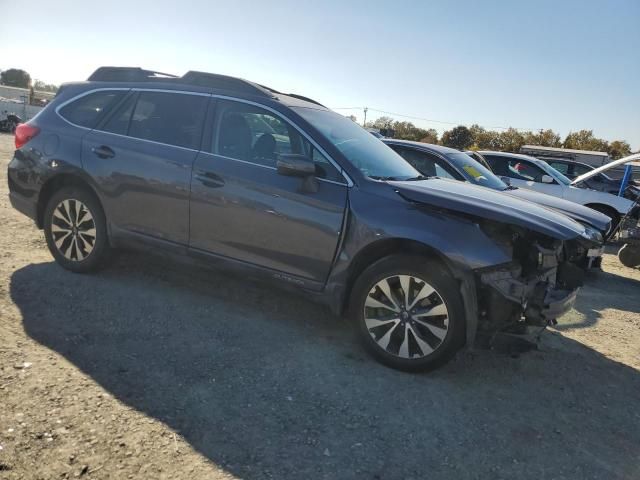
point(553, 304)
point(538, 299)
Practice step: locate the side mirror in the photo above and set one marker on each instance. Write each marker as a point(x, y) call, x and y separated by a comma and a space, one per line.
point(547, 179)
point(293, 165)
point(506, 180)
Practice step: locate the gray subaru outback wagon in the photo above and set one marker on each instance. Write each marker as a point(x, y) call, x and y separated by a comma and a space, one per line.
point(278, 186)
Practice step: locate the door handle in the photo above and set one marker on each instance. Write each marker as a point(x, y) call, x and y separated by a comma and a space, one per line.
point(103, 152)
point(210, 179)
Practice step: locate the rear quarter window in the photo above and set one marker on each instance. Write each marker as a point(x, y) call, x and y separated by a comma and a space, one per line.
point(88, 110)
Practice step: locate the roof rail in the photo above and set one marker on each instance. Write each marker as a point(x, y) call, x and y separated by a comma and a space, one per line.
point(200, 79)
point(299, 97)
point(223, 82)
point(126, 74)
point(306, 99)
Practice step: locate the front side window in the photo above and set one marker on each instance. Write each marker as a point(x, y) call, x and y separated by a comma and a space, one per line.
point(561, 167)
point(365, 152)
point(475, 172)
point(170, 118)
point(88, 110)
point(425, 163)
point(523, 170)
point(253, 134)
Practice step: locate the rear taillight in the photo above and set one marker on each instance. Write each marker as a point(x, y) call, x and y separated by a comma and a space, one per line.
point(24, 133)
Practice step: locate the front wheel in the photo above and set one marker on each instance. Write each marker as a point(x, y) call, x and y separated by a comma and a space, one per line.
point(409, 312)
point(75, 230)
point(629, 255)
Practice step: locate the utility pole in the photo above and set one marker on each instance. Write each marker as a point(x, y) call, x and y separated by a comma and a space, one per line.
point(364, 124)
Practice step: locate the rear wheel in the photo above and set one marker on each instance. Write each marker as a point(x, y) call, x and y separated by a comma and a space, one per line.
point(75, 230)
point(408, 312)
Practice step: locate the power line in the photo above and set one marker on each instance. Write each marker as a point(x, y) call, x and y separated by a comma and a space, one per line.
point(412, 117)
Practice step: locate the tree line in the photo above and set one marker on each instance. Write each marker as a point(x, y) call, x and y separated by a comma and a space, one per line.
point(510, 140)
point(16, 77)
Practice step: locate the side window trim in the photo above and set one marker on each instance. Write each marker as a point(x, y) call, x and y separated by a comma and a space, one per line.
point(348, 181)
point(84, 94)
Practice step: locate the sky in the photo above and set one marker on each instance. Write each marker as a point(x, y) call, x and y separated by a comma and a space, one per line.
point(565, 65)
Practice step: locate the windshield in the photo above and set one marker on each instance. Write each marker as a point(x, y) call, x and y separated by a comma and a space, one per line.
point(475, 172)
point(365, 152)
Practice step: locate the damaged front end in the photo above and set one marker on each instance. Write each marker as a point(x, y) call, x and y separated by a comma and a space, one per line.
point(539, 285)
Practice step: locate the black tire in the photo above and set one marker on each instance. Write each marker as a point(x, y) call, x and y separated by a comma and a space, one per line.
point(612, 214)
point(447, 294)
point(77, 258)
point(629, 255)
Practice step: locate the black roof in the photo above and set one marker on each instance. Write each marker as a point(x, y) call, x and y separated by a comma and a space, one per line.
point(192, 78)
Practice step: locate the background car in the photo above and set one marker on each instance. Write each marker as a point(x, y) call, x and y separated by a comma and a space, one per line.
point(602, 182)
point(529, 172)
point(436, 160)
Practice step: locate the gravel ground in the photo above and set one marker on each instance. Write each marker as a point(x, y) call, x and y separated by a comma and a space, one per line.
point(156, 370)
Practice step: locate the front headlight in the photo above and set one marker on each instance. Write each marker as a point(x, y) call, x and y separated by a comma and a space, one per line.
point(592, 235)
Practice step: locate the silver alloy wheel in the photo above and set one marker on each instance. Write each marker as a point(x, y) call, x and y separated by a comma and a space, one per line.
point(406, 316)
point(73, 229)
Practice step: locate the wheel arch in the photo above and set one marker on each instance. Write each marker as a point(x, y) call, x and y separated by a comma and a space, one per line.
point(390, 246)
point(609, 211)
point(383, 248)
point(54, 184)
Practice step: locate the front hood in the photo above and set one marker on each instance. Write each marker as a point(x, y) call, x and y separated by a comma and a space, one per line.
point(578, 212)
point(635, 158)
point(490, 204)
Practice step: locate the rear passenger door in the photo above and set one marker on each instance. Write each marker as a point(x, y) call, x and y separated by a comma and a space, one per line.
point(141, 156)
point(241, 208)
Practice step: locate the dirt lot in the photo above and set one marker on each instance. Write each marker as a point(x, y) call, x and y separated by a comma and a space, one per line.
point(152, 370)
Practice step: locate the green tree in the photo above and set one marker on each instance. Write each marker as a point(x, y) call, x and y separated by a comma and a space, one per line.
point(404, 130)
point(44, 87)
point(380, 122)
point(544, 138)
point(585, 140)
point(511, 140)
point(15, 77)
point(484, 139)
point(459, 137)
point(430, 136)
point(618, 149)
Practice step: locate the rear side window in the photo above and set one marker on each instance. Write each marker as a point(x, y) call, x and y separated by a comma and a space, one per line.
point(580, 170)
point(87, 111)
point(119, 121)
point(171, 118)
